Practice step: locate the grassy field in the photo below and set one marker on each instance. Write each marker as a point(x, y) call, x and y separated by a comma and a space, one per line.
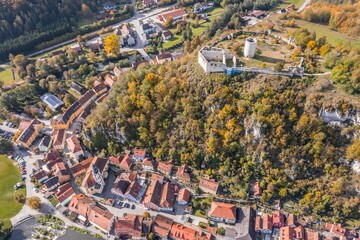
point(332, 36)
point(6, 76)
point(213, 14)
point(286, 3)
point(9, 175)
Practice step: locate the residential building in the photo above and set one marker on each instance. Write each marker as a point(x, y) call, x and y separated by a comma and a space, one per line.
point(64, 121)
point(64, 194)
point(58, 138)
point(81, 168)
point(74, 147)
point(286, 233)
point(45, 144)
point(246, 226)
point(163, 58)
point(167, 198)
point(93, 181)
point(267, 223)
point(222, 212)
point(41, 176)
point(117, 71)
point(100, 89)
point(30, 133)
point(78, 88)
point(139, 154)
point(256, 13)
point(177, 55)
point(109, 80)
point(291, 220)
point(209, 186)
point(157, 177)
point(108, 6)
point(53, 102)
point(147, 28)
point(147, 165)
point(76, 48)
point(134, 192)
point(165, 167)
point(129, 226)
point(337, 230)
point(159, 197)
point(126, 163)
point(161, 226)
point(184, 196)
point(59, 170)
point(85, 209)
point(176, 14)
point(258, 223)
point(101, 218)
point(183, 174)
point(51, 184)
point(278, 219)
point(311, 234)
point(180, 232)
point(166, 35)
point(87, 98)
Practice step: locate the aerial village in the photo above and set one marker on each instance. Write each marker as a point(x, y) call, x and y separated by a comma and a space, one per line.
point(134, 195)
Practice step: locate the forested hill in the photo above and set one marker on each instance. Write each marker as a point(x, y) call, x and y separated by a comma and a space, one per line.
point(24, 16)
point(237, 130)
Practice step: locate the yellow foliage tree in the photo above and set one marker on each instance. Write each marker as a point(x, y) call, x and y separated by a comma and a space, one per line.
point(112, 44)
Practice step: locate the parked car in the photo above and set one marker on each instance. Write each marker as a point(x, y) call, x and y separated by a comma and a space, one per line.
point(133, 207)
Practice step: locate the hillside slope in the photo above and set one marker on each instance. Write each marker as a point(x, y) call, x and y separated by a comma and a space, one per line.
point(237, 130)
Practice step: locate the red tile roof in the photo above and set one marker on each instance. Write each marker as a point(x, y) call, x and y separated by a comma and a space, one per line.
point(336, 229)
point(223, 210)
point(183, 173)
point(126, 162)
point(101, 217)
point(167, 196)
point(139, 152)
point(257, 189)
point(177, 13)
point(162, 225)
point(278, 219)
point(286, 233)
point(165, 167)
point(184, 195)
point(64, 192)
point(73, 144)
point(81, 204)
point(81, 167)
point(180, 232)
point(129, 225)
point(267, 221)
point(209, 185)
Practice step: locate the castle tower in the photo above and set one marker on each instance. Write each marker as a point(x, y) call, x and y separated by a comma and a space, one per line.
point(250, 47)
point(97, 176)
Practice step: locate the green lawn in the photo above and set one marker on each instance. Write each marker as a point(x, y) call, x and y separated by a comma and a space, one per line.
point(214, 13)
point(9, 175)
point(332, 36)
point(286, 3)
point(6, 76)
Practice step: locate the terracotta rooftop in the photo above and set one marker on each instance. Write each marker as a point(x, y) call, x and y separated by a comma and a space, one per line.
point(64, 192)
point(165, 167)
point(73, 144)
point(81, 167)
point(126, 162)
point(148, 162)
point(167, 196)
point(162, 225)
point(139, 152)
point(223, 210)
point(101, 217)
point(81, 204)
point(183, 173)
point(58, 136)
point(181, 232)
point(209, 184)
point(184, 195)
point(86, 97)
point(129, 225)
point(177, 13)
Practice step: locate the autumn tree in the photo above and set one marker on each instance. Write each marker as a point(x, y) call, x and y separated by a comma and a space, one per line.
point(85, 10)
point(68, 99)
point(279, 66)
point(353, 151)
point(34, 202)
point(112, 44)
point(19, 197)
